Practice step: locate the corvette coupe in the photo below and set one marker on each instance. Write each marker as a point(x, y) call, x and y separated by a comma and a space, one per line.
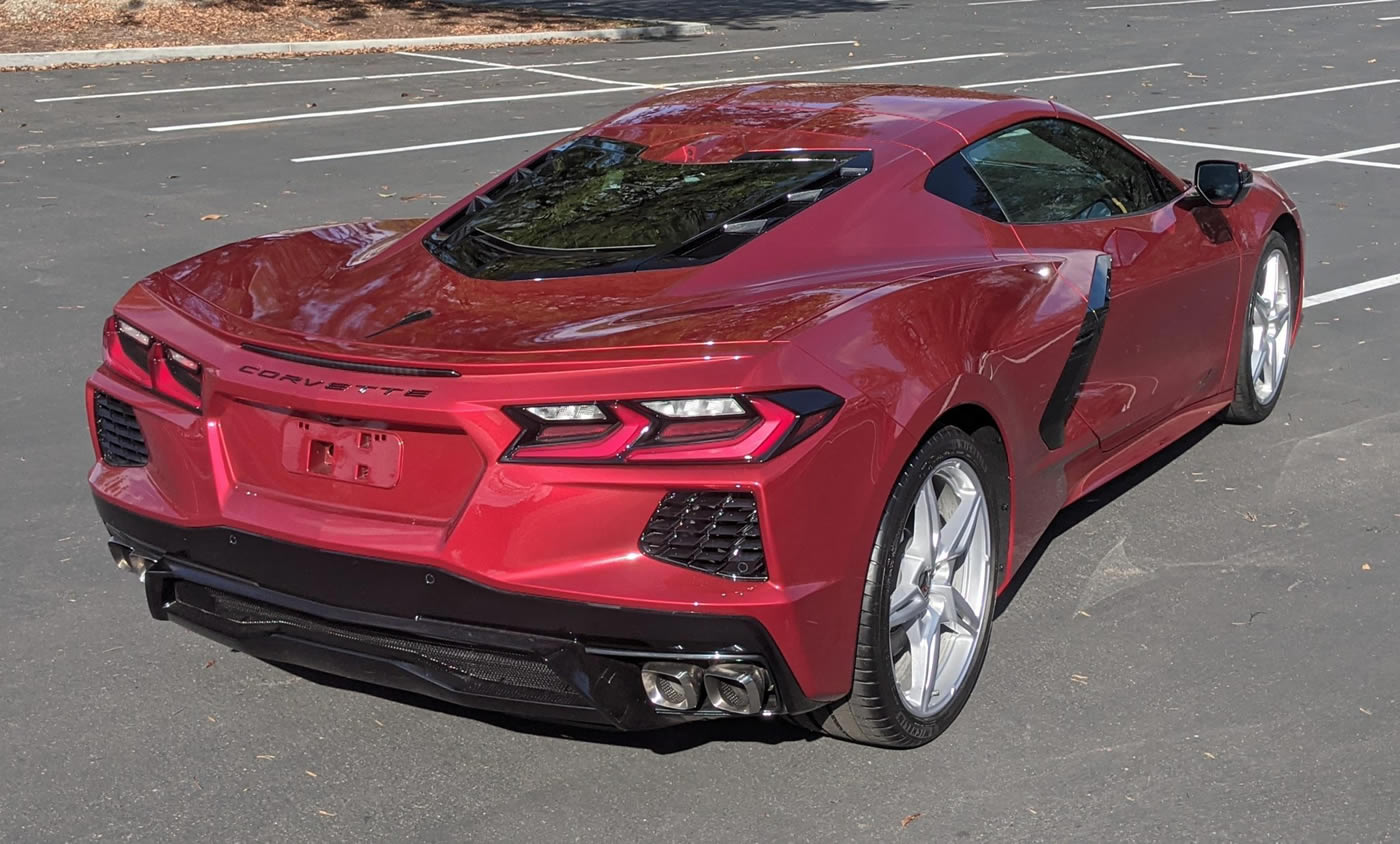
point(745, 400)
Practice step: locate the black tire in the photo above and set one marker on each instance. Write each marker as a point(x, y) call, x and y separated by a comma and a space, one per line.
point(875, 713)
point(1246, 409)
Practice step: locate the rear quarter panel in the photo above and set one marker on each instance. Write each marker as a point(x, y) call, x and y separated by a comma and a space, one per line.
point(996, 337)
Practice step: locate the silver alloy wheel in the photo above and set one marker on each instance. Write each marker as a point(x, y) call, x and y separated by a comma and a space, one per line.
point(1270, 326)
point(941, 602)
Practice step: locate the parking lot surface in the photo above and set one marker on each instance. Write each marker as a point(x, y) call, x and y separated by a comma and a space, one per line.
point(1204, 650)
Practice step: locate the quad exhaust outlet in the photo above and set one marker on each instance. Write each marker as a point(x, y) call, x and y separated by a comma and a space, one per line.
point(735, 687)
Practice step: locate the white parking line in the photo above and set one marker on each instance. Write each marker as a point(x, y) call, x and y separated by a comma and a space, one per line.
point(1222, 147)
point(1351, 290)
point(1000, 2)
point(277, 83)
point(845, 69)
point(1260, 98)
point(621, 86)
point(310, 115)
point(500, 66)
point(1072, 75)
point(732, 52)
point(416, 147)
point(1309, 6)
point(1300, 160)
point(1337, 156)
point(411, 74)
point(1146, 5)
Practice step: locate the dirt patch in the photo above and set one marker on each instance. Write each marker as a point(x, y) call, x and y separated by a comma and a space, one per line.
point(34, 26)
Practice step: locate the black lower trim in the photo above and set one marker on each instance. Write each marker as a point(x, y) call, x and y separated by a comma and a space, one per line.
point(346, 615)
point(1081, 357)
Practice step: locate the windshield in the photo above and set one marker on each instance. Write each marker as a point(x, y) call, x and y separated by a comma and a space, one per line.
point(598, 202)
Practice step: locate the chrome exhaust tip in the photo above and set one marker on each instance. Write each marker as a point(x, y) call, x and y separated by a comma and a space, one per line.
point(672, 685)
point(127, 559)
point(736, 687)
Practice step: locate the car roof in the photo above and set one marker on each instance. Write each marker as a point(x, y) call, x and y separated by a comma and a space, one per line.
point(716, 123)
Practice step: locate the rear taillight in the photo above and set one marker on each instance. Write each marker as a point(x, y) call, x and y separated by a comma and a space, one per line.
point(746, 428)
point(127, 350)
point(138, 356)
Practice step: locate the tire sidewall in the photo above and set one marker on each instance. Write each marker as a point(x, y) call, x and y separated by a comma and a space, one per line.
point(1247, 407)
point(946, 443)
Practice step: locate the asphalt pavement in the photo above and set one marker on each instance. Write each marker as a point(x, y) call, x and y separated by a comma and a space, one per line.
point(1204, 650)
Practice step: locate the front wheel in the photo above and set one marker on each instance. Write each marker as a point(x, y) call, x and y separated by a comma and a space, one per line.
point(926, 613)
point(1268, 334)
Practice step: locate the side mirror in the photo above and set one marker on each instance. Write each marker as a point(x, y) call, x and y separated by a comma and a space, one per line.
point(1222, 183)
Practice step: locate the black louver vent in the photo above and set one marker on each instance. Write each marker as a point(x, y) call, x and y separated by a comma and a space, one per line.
point(725, 238)
point(119, 436)
point(715, 532)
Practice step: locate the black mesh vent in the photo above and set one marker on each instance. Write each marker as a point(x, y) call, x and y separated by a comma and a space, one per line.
point(119, 435)
point(715, 532)
point(501, 674)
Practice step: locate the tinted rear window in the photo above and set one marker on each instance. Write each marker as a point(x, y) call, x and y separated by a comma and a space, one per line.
point(598, 203)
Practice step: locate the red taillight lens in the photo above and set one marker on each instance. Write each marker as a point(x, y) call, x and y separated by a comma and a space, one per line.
point(724, 429)
point(127, 350)
point(138, 356)
point(176, 375)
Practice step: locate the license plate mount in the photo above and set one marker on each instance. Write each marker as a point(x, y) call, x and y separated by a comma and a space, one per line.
point(355, 455)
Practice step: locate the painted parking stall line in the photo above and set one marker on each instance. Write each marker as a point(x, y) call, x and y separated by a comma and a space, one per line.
point(1337, 156)
point(349, 112)
point(844, 69)
point(1351, 290)
point(1308, 6)
point(499, 66)
point(1300, 159)
point(493, 67)
point(229, 86)
point(438, 145)
point(1260, 98)
point(629, 86)
point(1060, 76)
point(1149, 5)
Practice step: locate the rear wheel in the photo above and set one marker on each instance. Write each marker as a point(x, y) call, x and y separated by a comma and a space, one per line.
point(1268, 334)
point(926, 613)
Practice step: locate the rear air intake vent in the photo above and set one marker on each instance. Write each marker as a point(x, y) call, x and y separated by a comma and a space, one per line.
point(715, 532)
point(119, 436)
point(352, 366)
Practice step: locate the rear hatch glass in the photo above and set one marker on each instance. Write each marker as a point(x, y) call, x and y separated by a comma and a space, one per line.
point(598, 205)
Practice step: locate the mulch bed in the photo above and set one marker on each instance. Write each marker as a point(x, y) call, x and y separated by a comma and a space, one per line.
point(94, 24)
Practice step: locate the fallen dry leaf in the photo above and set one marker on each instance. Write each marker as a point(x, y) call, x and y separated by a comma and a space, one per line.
point(209, 664)
point(910, 819)
point(312, 774)
point(412, 196)
point(207, 217)
point(1365, 566)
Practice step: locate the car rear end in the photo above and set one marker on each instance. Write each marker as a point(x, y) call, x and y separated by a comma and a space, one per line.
point(467, 530)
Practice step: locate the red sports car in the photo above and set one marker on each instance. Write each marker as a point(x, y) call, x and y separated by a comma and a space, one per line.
point(745, 400)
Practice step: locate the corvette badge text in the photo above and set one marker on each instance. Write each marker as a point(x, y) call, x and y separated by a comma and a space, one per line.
point(336, 386)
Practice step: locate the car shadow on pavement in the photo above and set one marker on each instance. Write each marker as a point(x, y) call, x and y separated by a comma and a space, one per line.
point(675, 739)
point(1097, 500)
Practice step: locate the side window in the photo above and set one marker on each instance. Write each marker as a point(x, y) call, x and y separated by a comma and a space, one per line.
point(956, 181)
point(1046, 171)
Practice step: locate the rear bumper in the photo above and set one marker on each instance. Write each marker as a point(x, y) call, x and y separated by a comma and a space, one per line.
point(428, 631)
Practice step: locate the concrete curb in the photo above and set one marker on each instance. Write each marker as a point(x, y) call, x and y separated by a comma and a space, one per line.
point(58, 58)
